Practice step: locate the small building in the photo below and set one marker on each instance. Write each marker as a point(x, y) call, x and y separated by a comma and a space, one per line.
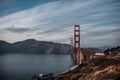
point(99, 55)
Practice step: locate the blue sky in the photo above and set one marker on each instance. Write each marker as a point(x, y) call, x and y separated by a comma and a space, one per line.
point(54, 20)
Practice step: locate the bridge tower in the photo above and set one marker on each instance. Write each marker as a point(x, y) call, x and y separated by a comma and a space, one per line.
point(77, 44)
point(71, 45)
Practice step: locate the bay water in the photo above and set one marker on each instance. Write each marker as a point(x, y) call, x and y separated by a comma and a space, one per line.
point(18, 66)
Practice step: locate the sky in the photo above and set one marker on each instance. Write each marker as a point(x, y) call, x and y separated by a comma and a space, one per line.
point(54, 20)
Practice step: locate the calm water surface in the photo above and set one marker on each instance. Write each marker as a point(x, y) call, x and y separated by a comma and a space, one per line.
point(24, 66)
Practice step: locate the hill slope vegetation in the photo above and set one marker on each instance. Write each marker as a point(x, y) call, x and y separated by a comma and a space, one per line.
point(96, 69)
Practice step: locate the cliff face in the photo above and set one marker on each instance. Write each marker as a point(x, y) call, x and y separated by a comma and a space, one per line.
point(33, 46)
point(97, 69)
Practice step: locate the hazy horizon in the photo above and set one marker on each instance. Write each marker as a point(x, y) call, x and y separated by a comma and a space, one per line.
point(63, 43)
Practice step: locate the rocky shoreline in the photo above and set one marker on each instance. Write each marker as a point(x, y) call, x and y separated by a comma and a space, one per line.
point(104, 68)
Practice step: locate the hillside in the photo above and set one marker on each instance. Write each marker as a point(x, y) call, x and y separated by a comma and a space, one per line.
point(4, 47)
point(34, 46)
point(97, 69)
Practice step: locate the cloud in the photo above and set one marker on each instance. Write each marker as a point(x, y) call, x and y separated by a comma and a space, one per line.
point(52, 31)
point(103, 32)
point(55, 20)
point(17, 30)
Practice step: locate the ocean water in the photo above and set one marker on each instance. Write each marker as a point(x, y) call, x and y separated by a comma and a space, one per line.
point(18, 66)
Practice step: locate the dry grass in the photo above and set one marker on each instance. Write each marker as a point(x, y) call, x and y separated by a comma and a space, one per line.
point(106, 68)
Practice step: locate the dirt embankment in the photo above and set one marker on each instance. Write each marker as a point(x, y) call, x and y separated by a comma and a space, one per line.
point(106, 68)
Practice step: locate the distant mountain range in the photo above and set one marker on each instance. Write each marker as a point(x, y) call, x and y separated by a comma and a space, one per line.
point(99, 49)
point(103, 48)
point(34, 46)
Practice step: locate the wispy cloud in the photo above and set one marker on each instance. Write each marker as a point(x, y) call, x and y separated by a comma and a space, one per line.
point(17, 30)
point(54, 21)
